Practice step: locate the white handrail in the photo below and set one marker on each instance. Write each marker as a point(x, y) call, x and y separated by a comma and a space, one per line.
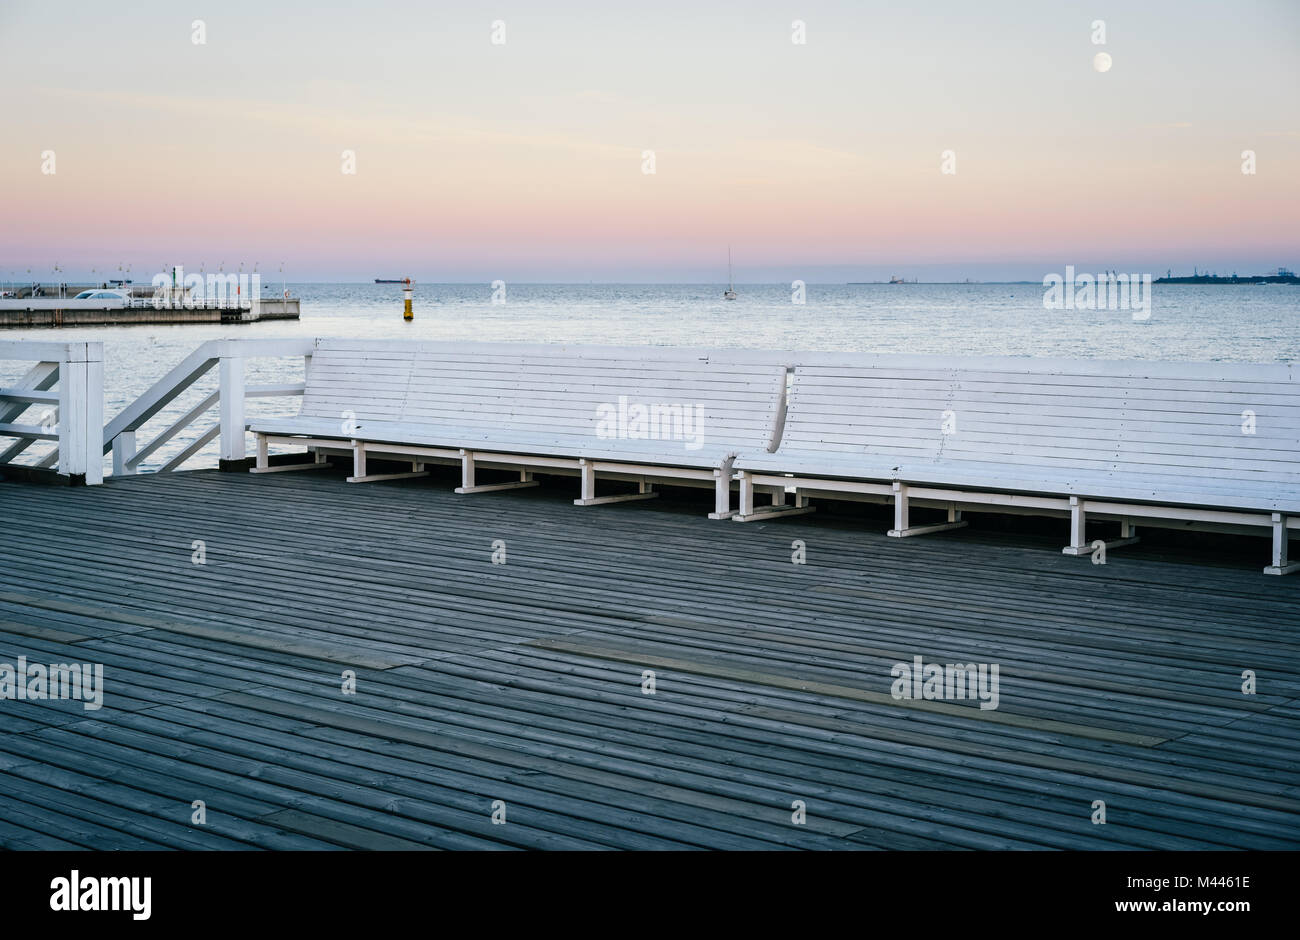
point(229, 357)
point(78, 371)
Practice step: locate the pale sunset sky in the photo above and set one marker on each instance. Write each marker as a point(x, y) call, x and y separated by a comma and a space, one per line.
point(523, 160)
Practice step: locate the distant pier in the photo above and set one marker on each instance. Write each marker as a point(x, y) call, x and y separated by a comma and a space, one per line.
point(55, 311)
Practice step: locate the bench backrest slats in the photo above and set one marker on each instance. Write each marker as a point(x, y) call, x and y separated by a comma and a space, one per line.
point(370, 386)
point(1119, 419)
point(558, 393)
point(1208, 421)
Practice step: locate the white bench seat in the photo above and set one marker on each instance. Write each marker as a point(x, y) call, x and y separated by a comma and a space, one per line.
point(299, 425)
point(380, 433)
point(1212, 444)
point(1210, 492)
point(535, 407)
point(1004, 477)
point(849, 466)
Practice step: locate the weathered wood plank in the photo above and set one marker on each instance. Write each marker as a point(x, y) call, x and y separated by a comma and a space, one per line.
point(476, 680)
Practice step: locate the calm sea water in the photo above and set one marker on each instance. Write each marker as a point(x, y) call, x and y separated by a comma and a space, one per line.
point(1244, 323)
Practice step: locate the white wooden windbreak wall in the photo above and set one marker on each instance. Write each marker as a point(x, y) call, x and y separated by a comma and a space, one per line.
point(67, 379)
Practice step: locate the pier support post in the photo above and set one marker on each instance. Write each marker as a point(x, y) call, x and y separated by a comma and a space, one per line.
point(231, 378)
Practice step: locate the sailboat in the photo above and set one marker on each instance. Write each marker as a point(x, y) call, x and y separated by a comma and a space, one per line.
point(730, 293)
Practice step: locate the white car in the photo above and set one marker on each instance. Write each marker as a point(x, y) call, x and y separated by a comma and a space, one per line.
point(108, 298)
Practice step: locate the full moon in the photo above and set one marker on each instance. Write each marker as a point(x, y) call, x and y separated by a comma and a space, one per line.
point(1101, 61)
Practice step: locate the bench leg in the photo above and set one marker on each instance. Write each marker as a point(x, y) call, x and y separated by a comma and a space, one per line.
point(1281, 564)
point(589, 497)
point(467, 484)
point(1078, 527)
point(263, 463)
point(359, 474)
point(1079, 544)
point(902, 525)
point(1127, 534)
point(722, 492)
point(779, 506)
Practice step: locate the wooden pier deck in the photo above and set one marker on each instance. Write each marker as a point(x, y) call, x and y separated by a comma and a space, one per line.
point(522, 682)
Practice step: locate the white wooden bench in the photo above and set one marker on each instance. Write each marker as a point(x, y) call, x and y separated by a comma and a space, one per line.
point(530, 408)
point(1196, 445)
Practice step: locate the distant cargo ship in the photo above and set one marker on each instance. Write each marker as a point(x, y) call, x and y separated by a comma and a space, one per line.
point(390, 280)
point(1283, 276)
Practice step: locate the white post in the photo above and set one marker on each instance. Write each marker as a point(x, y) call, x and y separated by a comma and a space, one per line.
point(1281, 562)
point(123, 451)
point(1078, 529)
point(231, 372)
point(722, 492)
point(900, 509)
point(81, 413)
point(746, 494)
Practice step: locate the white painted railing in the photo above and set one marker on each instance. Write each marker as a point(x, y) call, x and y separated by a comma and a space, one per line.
point(75, 420)
point(228, 356)
point(70, 378)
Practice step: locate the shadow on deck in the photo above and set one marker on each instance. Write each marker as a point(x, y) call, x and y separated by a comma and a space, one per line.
point(523, 682)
